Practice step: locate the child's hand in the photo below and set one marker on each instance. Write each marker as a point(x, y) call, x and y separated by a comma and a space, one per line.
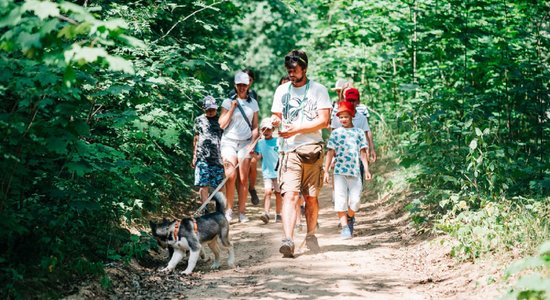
point(194, 162)
point(368, 175)
point(326, 178)
point(234, 103)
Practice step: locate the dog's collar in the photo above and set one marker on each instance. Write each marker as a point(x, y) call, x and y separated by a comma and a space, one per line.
point(176, 230)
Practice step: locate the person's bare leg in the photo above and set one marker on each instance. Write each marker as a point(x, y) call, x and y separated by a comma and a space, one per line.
point(267, 200)
point(203, 192)
point(243, 186)
point(342, 216)
point(312, 213)
point(290, 202)
point(278, 203)
point(230, 174)
point(253, 173)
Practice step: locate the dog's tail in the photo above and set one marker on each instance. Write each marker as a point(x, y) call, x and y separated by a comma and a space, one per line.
point(220, 202)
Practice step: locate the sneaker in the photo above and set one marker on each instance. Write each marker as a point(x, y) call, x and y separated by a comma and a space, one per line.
point(312, 243)
point(278, 219)
point(243, 218)
point(265, 218)
point(345, 233)
point(229, 215)
point(254, 197)
point(287, 248)
point(351, 222)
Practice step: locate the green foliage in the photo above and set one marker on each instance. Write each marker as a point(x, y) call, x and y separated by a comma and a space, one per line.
point(535, 284)
point(96, 126)
point(516, 225)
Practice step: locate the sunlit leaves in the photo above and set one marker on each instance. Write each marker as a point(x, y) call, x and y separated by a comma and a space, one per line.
point(43, 9)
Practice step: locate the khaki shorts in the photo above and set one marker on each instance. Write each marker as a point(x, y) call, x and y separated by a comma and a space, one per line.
point(295, 176)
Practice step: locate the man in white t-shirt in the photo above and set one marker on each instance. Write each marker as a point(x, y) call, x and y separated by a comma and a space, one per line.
point(302, 107)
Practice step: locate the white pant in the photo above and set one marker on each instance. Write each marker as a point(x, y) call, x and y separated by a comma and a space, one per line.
point(347, 192)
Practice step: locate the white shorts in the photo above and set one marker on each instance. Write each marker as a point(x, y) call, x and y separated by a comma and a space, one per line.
point(272, 184)
point(231, 148)
point(347, 192)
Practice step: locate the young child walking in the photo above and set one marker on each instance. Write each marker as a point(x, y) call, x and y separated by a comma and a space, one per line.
point(348, 145)
point(267, 151)
point(207, 160)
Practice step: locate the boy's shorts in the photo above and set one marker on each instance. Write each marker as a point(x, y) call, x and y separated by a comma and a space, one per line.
point(299, 177)
point(272, 184)
point(234, 148)
point(347, 192)
point(208, 174)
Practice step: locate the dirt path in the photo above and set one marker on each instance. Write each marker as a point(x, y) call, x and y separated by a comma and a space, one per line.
point(383, 261)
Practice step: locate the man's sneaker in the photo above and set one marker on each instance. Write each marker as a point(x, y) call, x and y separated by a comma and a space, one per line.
point(345, 233)
point(254, 197)
point(278, 219)
point(351, 222)
point(265, 218)
point(287, 248)
point(243, 218)
point(312, 243)
point(229, 215)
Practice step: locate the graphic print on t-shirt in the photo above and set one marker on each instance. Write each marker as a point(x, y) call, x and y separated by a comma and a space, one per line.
point(298, 107)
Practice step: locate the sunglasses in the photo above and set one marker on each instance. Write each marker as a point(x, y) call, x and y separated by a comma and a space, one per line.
point(294, 58)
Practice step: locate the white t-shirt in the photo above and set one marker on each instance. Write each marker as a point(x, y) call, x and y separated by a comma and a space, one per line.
point(238, 129)
point(359, 121)
point(298, 108)
point(362, 109)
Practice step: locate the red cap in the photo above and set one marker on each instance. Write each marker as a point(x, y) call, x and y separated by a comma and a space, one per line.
point(346, 106)
point(351, 94)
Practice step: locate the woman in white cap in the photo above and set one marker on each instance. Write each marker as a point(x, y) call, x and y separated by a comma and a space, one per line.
point(239, 119)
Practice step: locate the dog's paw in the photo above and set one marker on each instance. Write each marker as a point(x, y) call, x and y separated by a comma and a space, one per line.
point(215, 265)
point(231, 263)
point(166, 270)
point(186, 272)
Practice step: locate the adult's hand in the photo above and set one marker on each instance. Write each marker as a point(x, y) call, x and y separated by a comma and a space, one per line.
point(194, 162)
point(275, 121)
point(289, 131)
point(372, 155)
point(326, 177)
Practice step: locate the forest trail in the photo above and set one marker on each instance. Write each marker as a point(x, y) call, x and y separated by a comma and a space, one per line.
point(384, 260)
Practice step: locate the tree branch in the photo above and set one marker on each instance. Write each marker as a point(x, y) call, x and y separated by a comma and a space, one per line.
point(187, 17)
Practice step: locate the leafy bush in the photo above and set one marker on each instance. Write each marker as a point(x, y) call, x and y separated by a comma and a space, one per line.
point(95, 128)
point(534, 284)
point(511, 225)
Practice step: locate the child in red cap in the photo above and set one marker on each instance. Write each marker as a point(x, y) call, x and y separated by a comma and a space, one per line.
point(348, 145)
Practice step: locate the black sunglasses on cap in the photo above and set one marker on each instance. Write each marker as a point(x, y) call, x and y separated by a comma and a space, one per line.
point(294, 58)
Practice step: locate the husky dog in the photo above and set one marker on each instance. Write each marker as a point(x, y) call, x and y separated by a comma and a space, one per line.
point(189, 234)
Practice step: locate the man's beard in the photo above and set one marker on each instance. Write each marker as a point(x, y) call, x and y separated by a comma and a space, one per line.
point(298, 80)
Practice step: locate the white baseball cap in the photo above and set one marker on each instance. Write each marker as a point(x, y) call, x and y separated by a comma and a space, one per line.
point(266, 123)
point(339, 84)
point(242, 78)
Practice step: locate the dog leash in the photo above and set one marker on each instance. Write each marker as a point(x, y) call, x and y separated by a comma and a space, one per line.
point(217, 189)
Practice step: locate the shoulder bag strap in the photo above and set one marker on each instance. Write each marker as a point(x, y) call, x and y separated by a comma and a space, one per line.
point(244, 115)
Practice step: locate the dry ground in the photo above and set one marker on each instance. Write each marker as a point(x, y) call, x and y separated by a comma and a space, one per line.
point(385, 260)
